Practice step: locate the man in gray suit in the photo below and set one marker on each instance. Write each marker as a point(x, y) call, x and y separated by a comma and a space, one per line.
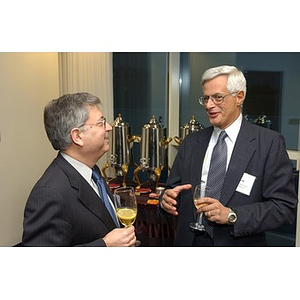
point(258, 192)
point(64, 207)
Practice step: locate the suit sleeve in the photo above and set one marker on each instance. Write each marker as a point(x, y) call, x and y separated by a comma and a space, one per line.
point(274, 203)
point(45, 222)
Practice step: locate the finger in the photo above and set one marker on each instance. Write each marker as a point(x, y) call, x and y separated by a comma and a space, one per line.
point(206, 200)
point(173, 193)
point(169, 208)
point(130, 230)
point(210, 204)
point(169, 204)
point(180, 188)
point(210, 216)
point(169, 197)
point(131, 234)
point(132, 241)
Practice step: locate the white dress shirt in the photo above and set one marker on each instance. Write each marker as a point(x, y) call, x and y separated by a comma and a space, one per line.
point(85, 172)
point(232, 133)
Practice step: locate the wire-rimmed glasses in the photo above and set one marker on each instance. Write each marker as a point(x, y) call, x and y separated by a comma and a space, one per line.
point(100, 123)
point(216, 98)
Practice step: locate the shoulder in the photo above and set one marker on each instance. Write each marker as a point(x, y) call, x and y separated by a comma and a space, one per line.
point(57, 177)
point(248, 127)
point(198, 136)
point(262, 137)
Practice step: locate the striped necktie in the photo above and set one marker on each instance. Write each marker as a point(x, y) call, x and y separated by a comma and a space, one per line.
point(216, 174)
point(103, 195)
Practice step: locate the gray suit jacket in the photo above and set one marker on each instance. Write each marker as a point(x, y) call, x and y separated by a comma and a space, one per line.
point(64, 210)
point(272, 202)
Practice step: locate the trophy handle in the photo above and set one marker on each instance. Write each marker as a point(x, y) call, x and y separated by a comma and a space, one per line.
point(166, 141)
point(104, 171)
point(178, 140)
point(137, 177)
point(134, 138)
point(125, 171)
point(157, 172)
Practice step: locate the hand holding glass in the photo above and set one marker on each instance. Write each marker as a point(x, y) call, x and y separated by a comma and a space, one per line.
point(201, 191)
point(126, 206)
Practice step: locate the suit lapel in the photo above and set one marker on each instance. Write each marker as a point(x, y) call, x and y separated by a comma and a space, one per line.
point(198, 155)
point(86, 194)
point(241, 155)
point(93, 202)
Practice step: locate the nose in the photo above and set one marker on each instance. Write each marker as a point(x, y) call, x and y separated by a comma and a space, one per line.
point(108, 127)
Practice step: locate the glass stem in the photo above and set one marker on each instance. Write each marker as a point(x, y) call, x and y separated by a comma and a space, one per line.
point(199, 218)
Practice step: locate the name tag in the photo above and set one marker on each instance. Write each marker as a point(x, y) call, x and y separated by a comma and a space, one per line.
point(246, 184)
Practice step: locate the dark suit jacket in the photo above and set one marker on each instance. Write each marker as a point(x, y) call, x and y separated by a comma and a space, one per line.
point(272, 202)
point(64, 210)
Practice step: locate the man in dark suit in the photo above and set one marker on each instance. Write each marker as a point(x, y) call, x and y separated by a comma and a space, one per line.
point(64, 207)
point(258, 192)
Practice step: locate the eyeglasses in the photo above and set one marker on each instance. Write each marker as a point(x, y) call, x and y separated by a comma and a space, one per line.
point(100, 123)
point(216, 98)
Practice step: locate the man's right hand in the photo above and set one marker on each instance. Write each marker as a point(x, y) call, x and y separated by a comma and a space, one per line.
point(169, 202)
point(121, 237)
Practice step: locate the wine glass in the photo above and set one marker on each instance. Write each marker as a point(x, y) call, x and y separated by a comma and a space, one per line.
point(126, 206)
point(201, 191)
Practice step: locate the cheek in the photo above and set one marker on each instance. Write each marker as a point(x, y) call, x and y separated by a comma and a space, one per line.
point(102, 140)
point(96, 138)
point(228, 109)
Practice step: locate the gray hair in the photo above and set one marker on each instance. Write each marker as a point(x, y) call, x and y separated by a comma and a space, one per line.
point(65, 113)
point(236, 80)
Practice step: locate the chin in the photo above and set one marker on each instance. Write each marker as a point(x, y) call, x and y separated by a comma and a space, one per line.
point(214, 122)
point(105, 148)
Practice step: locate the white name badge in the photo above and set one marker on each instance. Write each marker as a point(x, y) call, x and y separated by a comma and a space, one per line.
point(246, 184)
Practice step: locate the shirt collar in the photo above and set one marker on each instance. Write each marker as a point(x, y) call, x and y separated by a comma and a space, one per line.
point(232, 130)
point(83, 169)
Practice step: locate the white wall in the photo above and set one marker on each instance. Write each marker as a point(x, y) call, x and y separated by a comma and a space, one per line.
point(28, 81)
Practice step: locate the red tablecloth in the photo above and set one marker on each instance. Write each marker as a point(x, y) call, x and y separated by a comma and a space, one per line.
point(152, 228)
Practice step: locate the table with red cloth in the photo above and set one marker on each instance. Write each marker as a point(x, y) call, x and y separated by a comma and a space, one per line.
point(152, 228)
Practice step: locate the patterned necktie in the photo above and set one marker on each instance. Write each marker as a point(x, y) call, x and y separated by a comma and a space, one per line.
point(216, 174)
point(103, 194)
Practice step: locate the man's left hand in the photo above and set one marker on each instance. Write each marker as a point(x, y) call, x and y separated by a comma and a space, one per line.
point(214, 210)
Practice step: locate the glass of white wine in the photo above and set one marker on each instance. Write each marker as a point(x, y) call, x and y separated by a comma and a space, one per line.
point(201, 191)
point(126, 206)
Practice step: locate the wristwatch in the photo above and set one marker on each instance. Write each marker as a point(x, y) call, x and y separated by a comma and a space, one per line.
point(232, 217)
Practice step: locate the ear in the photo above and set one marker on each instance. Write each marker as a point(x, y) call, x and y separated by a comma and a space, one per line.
point(76, 136)
point(240, 96)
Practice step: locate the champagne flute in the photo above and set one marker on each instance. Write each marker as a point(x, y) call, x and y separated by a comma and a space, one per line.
point(126, 206)
point(201, 191)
